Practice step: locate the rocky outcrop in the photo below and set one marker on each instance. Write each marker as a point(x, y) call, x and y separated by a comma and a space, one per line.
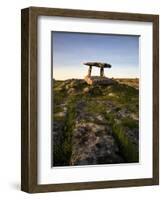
point(90, 148)
point(92, 80)
point(95, 124)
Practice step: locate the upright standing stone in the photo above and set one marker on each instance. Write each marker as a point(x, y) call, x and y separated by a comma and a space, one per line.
point(89, 70)
point(101, 71)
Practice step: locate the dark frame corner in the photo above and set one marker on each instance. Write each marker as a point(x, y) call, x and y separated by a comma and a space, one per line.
point(29, 99)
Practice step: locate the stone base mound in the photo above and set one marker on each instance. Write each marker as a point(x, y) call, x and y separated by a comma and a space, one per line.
point(93, 80)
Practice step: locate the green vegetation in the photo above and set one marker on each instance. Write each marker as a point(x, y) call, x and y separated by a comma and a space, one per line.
point(68, 129)
point(63, 149)
point(116, 103)
point(128, 148)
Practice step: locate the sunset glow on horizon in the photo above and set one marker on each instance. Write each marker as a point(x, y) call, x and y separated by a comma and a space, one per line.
point(71, 50)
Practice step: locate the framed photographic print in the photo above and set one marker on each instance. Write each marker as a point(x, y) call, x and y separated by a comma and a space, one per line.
point(90, 99)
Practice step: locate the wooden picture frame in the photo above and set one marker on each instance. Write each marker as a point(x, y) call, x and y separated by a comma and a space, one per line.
point(29, 97)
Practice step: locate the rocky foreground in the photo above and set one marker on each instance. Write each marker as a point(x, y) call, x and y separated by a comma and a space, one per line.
point(95, 124)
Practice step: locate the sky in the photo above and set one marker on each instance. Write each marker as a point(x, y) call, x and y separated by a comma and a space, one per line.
point(71, 50)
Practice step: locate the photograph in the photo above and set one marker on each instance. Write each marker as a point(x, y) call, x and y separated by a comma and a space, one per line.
point(95, 99)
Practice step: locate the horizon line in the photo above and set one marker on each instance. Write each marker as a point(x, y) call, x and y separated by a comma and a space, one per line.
point(99, 76)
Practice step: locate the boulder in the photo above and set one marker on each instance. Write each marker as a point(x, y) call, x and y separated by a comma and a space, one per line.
point(92, 80)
